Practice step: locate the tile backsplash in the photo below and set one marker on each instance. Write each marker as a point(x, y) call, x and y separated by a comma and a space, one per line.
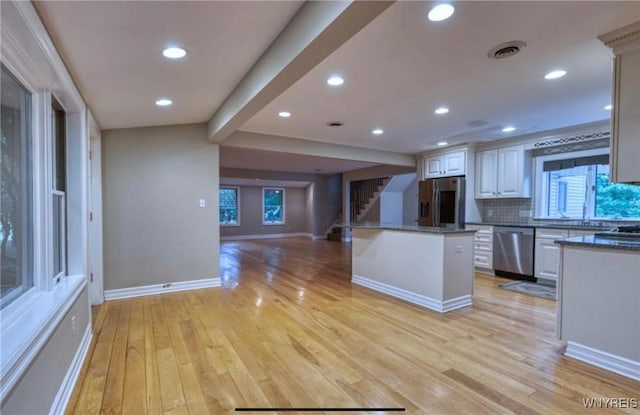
point(507, 210)
point(522, 211)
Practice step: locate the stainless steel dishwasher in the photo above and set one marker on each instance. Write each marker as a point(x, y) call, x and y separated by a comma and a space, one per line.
point(513, 252)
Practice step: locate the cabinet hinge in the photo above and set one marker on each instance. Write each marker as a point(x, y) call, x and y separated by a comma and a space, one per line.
point(90, 155)
point(91, 277)
point(90, 216)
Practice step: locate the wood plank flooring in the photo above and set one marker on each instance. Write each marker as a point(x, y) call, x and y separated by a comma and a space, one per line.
point(287, 329)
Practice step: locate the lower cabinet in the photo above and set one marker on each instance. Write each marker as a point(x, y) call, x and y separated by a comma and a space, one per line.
point(482, 247)
point(547, 256)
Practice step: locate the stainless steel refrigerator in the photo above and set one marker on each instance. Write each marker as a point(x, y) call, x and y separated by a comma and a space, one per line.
point(441, 202)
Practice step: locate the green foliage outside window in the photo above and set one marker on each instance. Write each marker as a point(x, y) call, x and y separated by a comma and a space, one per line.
point(273, 206)
point(616, 200)
point(228, 206)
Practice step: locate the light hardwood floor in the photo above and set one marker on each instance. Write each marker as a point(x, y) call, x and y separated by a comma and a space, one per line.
point(289, 330)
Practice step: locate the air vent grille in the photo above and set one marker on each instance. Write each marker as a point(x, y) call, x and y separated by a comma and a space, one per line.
point(506, 50)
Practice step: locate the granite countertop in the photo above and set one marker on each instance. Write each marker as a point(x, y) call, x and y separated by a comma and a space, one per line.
point(409, 228)
point(598, 241)
point(552, 225)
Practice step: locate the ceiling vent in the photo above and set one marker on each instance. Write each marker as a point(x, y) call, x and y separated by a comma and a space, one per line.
point(506, 50)
point(335, 123)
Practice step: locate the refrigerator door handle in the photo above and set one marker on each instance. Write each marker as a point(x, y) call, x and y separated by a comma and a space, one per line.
point(438, 207)
point(434, 200)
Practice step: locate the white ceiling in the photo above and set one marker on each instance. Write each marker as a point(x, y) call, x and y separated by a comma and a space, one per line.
point(113, 50)
point(275, 161)
point(400, 67)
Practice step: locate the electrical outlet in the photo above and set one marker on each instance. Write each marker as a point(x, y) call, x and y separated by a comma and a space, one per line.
point(203, 203)
point(73, 325)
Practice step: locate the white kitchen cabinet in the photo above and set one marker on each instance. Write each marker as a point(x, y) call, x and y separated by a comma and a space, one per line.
point(503, 173)
point(486, 174)
point(547, 253)
point(625, 119)
point(482, 247)
point(444, 165)
point(433, 167)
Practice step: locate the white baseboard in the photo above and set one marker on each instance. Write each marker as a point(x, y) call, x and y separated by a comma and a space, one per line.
point(424, 301)
point(70, 378)
point(267, 236)
point(170, 287)
point(617, 364)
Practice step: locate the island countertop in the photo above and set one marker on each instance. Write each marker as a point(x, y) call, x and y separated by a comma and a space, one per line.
point(606, 242)
point(409, 228)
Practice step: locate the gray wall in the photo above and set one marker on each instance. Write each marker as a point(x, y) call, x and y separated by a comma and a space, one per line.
point(251, 213)
point(308, 208)
point(154, 230)
point(36, 391)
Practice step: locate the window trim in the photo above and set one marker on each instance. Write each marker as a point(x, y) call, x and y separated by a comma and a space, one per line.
point(237, 189)
point(30, 320)
point(541, 185)
point(284, 211)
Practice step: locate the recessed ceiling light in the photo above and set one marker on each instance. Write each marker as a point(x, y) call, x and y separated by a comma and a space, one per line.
point(284, 114)
point(442, 143)
point(441, 110)
point(508, 129)
point(608, 107)
point(377, 131)
point(164, 102)
point(441, 12)
point(174, 53)
point(555, 74)
point(335, 81)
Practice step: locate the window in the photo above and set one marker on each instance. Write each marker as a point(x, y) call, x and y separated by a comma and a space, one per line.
point(16, 212)
point(272, 206)
point(229, 213)
point(58, 192)
point(576, 186)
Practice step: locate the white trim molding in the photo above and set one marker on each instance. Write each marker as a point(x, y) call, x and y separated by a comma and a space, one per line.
point(421, 300)
point(71, 377)
point(27, 334)
point(617, 364)
point(169, 287)
point(267, 236)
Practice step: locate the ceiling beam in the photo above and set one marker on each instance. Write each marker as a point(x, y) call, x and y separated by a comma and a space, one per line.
point(256, 141)
point(316, 31)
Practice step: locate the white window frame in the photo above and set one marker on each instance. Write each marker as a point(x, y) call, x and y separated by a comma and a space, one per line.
point(541, 202)
point(30, 320)
point(15, 294)
point(237, 189)
point(284, 202)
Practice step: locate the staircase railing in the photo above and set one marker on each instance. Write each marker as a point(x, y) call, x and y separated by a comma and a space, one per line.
point(362, 194)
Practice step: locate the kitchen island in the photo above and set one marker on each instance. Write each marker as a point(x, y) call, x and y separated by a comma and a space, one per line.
point(430, 267)
point(599, 301)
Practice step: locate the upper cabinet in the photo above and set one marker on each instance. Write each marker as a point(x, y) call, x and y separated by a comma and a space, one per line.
point(444, 165)
point(503, 172)
point(625, 119)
